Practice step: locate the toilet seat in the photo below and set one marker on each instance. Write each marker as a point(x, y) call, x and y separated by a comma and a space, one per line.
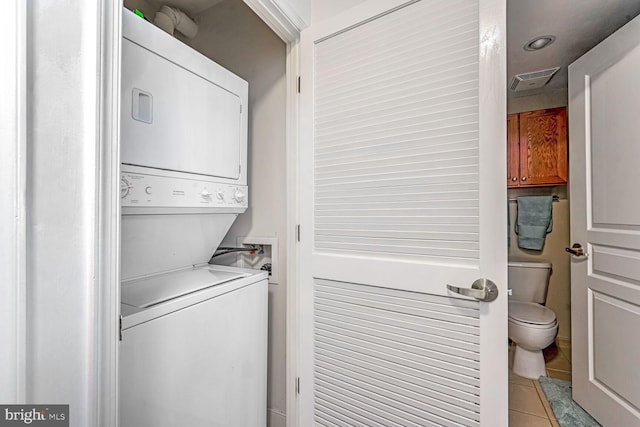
point(531, 315)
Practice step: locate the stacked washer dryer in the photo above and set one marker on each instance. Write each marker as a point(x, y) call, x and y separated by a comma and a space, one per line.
point(194, 336)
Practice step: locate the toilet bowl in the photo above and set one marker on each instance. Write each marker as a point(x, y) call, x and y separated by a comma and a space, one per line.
point(532, 327)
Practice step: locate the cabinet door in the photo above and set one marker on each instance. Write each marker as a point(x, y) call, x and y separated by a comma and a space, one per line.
point(513, 151)
point(543, 147)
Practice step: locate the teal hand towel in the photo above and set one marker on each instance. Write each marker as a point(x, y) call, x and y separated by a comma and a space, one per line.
point(534, 221)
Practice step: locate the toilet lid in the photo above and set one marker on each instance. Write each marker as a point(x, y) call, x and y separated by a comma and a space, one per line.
point(530, 312)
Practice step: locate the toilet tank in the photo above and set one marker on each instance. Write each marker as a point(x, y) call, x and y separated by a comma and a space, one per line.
point(529, 280)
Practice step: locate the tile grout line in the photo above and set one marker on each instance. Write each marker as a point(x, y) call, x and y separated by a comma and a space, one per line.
point(545, 402)
point(563, 352)
point(530, 414)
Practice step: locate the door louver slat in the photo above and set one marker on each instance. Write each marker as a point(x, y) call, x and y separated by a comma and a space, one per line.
point(413, 358)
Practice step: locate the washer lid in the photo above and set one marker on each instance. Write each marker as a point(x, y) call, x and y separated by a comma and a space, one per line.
point(153, 290)
point(530, 312)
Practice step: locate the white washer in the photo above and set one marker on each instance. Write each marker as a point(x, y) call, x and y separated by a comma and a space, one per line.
point(194, 348)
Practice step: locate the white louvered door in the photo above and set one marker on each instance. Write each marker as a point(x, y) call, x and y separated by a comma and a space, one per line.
point(402, 161)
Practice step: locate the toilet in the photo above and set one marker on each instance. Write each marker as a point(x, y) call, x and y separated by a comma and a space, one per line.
point(532, 326)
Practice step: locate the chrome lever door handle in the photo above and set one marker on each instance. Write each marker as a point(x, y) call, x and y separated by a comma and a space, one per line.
point(482, 289)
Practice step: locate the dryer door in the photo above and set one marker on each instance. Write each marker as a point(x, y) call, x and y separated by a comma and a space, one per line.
point(175, 119)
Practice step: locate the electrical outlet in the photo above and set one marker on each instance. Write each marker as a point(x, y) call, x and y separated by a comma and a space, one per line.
point(256, 261)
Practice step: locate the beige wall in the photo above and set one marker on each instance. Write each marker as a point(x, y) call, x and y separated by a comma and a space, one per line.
point(549, 99)
point(559, 296)
point(233, 36)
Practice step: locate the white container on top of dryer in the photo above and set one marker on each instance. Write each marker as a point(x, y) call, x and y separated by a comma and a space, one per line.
point(181, 111)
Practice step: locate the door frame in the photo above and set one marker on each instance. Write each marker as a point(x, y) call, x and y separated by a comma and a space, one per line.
point(13, 164)
point(108, 215)
point(292, 237)
point(101, 43)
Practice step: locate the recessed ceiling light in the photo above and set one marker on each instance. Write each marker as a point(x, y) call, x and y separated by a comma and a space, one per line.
point(539, 43)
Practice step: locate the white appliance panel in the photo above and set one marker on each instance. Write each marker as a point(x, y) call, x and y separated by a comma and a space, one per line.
point(157, 243)
point(204, 365)
point(148, 291)
point(184, 121)
point(147, 190)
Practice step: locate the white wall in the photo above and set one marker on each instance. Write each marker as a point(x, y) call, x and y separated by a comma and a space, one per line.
point(232, 35)
point(323, 9)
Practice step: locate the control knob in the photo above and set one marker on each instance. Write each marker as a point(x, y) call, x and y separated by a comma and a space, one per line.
point(239, 196)
point(205, 194)
point(125, 187)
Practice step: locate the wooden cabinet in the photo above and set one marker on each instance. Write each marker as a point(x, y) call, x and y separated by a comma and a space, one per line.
point(537, 148)
point(513, 150)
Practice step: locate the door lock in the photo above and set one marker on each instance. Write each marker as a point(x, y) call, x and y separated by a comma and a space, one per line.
point(482, 289)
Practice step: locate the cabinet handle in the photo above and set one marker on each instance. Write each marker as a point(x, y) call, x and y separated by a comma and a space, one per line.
point(524, 178)
point(514, 179)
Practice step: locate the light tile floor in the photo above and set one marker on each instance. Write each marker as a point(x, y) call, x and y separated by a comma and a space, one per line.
point(560, 366)
point(528, 406)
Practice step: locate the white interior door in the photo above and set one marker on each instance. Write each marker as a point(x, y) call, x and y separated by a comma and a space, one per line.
point(605, 220)
point(402, 192)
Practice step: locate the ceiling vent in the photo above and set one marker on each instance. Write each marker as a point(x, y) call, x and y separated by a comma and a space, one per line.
point(535, 80)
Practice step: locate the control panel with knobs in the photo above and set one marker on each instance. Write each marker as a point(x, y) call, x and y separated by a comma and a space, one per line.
point(138, 189)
